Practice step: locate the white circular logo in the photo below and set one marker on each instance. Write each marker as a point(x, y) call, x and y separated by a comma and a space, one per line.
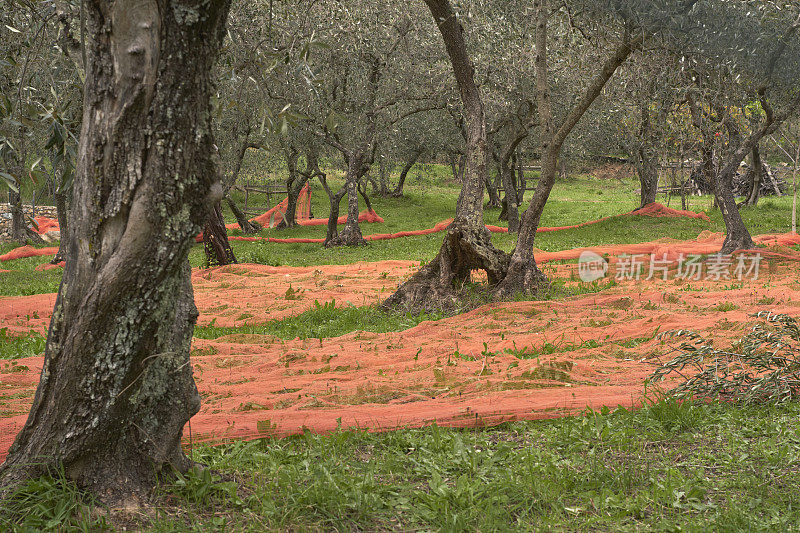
point(591, 267)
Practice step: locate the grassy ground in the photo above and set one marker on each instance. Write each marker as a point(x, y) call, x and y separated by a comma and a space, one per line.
point(666, 467)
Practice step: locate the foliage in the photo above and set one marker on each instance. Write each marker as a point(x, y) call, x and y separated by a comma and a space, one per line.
point(762, 367)
point(19, 346)
point(324, 320)
point(50, 504)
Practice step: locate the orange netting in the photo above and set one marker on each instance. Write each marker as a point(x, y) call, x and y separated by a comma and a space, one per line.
point(651, 210)
point(275, 215)
point(27, 251)
point(44, 224)
point(706, 243)
point(258, 385)
point(49, 266)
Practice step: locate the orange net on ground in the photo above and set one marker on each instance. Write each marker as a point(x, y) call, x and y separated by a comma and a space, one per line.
point(44, 225)
point(27, 251)
point(260, 386)
point(651, 210)
point(706, 243)
point(275, 215)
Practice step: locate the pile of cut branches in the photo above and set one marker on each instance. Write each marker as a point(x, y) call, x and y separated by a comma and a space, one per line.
point(762, 367)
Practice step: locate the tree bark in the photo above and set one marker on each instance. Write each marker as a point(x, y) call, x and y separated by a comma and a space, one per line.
point(756, 177)
point(18, 225)
point(247, 226)
point(398, 191)
point(335, 199)
point(506, 165)
point(467, 244)
point(215, 239)
point(116, 386)
point(351, 233)
point(63, 226)
point(647, 158)
point(293, 177)
point(491, 190)
point(737, 235)
point(523, 273)
point(383, 183)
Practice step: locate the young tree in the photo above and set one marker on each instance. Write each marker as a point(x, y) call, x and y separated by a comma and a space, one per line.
point(788, 142)
point(116, 387)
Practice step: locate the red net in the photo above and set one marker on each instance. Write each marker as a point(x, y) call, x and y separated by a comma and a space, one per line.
point(27, 251)
point(540, 359)
point(44, 225)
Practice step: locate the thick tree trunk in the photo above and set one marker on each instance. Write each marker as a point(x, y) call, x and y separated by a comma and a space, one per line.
point(737, 235)
point(757, 176)
point(507, 163)
point(295, 186)
point(385, 168)
point(511, 201)
point(247, 226)
point(398, 191)
point(215, 239)
point(335, 199)
point(453, 167)
point(436, 286)
point(467, 244)
point(116, 387)
point(290, 217)
point(491, 189)
point(351, 233)
point(521, 180)
point(647, 158)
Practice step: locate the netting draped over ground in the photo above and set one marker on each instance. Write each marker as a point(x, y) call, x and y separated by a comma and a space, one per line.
point(275, 215)
point(504, 361)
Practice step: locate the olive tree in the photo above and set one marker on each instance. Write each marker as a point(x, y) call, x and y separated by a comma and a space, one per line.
point(116, 387)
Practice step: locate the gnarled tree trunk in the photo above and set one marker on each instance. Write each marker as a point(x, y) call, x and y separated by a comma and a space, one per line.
point(292, 192)
point(757, 176)
point(116, 387)
point(63, 226)
point(18, 225)
point(215, 239)
point(647, 158)
point(467, 244)
point(351, 233)
point(247, 226)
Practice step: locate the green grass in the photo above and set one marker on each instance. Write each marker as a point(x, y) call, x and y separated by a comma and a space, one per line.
point(666, 467)
point(324, 321)
point(13, 346)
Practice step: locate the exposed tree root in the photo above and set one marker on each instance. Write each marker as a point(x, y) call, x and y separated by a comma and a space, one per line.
point(521, 277)
point(435, 287)
point(349, 236)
